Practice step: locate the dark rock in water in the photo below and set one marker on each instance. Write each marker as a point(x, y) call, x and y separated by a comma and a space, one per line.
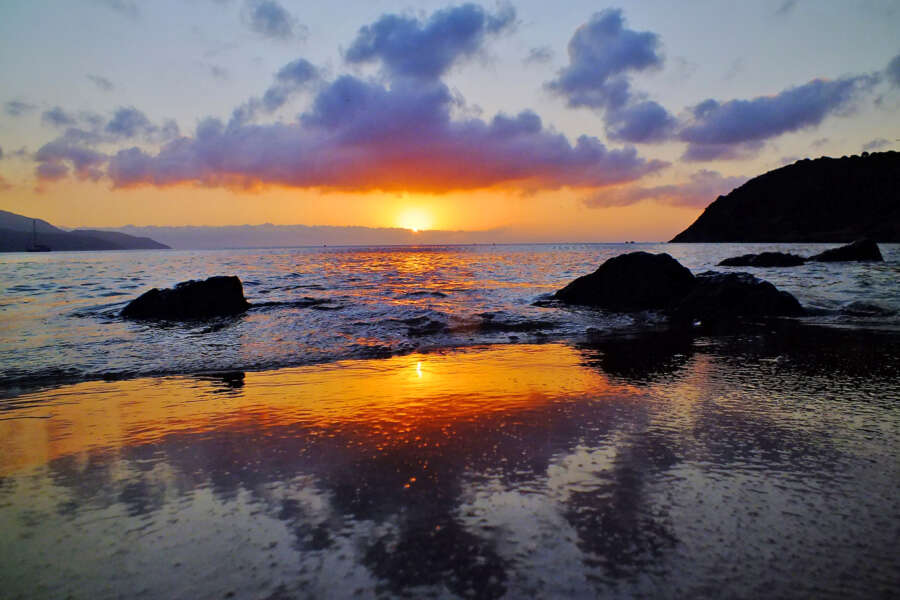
point(722, 296)
point(861, 250)
point(631, 282)
point(822, 200)
point(216, 296)
point(764, 259)
point(641, 281)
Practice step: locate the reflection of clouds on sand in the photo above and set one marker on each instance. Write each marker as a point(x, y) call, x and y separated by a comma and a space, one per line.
point(520, 470)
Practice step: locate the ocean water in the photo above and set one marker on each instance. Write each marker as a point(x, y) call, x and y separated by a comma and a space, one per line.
point(405, 422)
point(59, 311)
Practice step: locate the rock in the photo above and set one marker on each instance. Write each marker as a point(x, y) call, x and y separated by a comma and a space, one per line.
point(722, 296)
point(861, 250)
point(834, 200)
point(630, 282)
point(642, 281)
point(216, 296)
point(764, 259)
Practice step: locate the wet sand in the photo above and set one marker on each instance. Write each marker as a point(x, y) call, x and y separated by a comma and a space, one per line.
point(758, 465)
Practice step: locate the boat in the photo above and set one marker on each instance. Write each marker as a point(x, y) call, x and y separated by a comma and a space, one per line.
point(35, 247)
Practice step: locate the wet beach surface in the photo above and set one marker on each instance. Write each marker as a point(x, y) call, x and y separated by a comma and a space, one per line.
point(762, 464)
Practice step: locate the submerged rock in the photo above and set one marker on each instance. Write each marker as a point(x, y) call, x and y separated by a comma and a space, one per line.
point(630, 282)
point(642, 281)
point(764, 259)
point(717, 296)
point(861, 250)
point(196, 299)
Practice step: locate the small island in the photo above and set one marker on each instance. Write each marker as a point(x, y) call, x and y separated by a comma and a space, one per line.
point(822, 200)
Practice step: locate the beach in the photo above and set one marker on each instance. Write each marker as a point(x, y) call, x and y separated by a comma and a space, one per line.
point(659, 465)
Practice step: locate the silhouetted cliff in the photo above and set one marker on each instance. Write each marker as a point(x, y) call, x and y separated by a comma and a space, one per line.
point(821, 200)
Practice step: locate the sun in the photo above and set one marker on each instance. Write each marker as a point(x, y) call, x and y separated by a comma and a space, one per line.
point(415, 219)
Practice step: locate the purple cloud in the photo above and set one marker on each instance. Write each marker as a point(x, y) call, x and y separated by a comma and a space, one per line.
point(360, 135)
point(269, 19)
point(54, 157)
point(718, 129)
point(18, 108)
point(408, 47)
point(57, 117)
point(602, 55)
point(602, 52)
point(893, 71)
point(702, 188)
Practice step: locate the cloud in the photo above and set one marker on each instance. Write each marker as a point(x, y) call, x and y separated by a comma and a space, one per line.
point(4, 185)
point(876, 144)
point(129, 123)
point(640, 122)
point(719, 129)
point(1, 153)
point(818, 143)
point(18, 108)
point(408, 47)
point(601, 54)
point(542, 54)
point(702, 188)
point(218, 72)
point(360, 135)
point(102, 83)
point(893, 71)
point(54, 157)
point(127, 8)
point(57, 117)
point(291, 79)
point(786, 8)
point(269, 19)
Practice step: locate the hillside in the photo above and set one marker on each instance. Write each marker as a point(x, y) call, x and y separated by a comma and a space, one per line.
point(16, 235)
point(821, 200)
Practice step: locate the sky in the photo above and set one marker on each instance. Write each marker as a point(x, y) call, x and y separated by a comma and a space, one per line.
point(573, 121)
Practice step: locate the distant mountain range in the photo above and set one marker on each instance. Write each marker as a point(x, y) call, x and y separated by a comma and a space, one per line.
point(821, 200)
point(16, 236)
point(276, 236)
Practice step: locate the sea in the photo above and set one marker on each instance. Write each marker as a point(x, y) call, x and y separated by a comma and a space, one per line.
point(425, 422)
point(60, 323)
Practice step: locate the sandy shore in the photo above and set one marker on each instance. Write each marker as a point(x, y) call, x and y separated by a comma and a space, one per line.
point(741, 466)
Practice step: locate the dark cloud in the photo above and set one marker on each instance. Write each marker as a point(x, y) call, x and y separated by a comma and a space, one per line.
point(102, 83)
point(640, 122)
point(541, 54)
point(876, 144)
point(72, 149)
point(128, 8)
point(291, 79)
point(601, 54)
point(893, 71)
point(129, 123)
point(57, 117)
point(785, 8)
point(17, 108)
point(702, 188)
point(713, 127)
point(408, 47)
point(362, 136)
point(270, 19)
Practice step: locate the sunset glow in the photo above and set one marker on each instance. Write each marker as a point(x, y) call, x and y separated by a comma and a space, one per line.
point(415, 219)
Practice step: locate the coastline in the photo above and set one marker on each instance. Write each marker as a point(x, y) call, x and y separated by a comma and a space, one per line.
point(763, 461)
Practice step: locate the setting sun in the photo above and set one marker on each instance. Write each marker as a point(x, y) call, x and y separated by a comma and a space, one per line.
point(415, 219)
